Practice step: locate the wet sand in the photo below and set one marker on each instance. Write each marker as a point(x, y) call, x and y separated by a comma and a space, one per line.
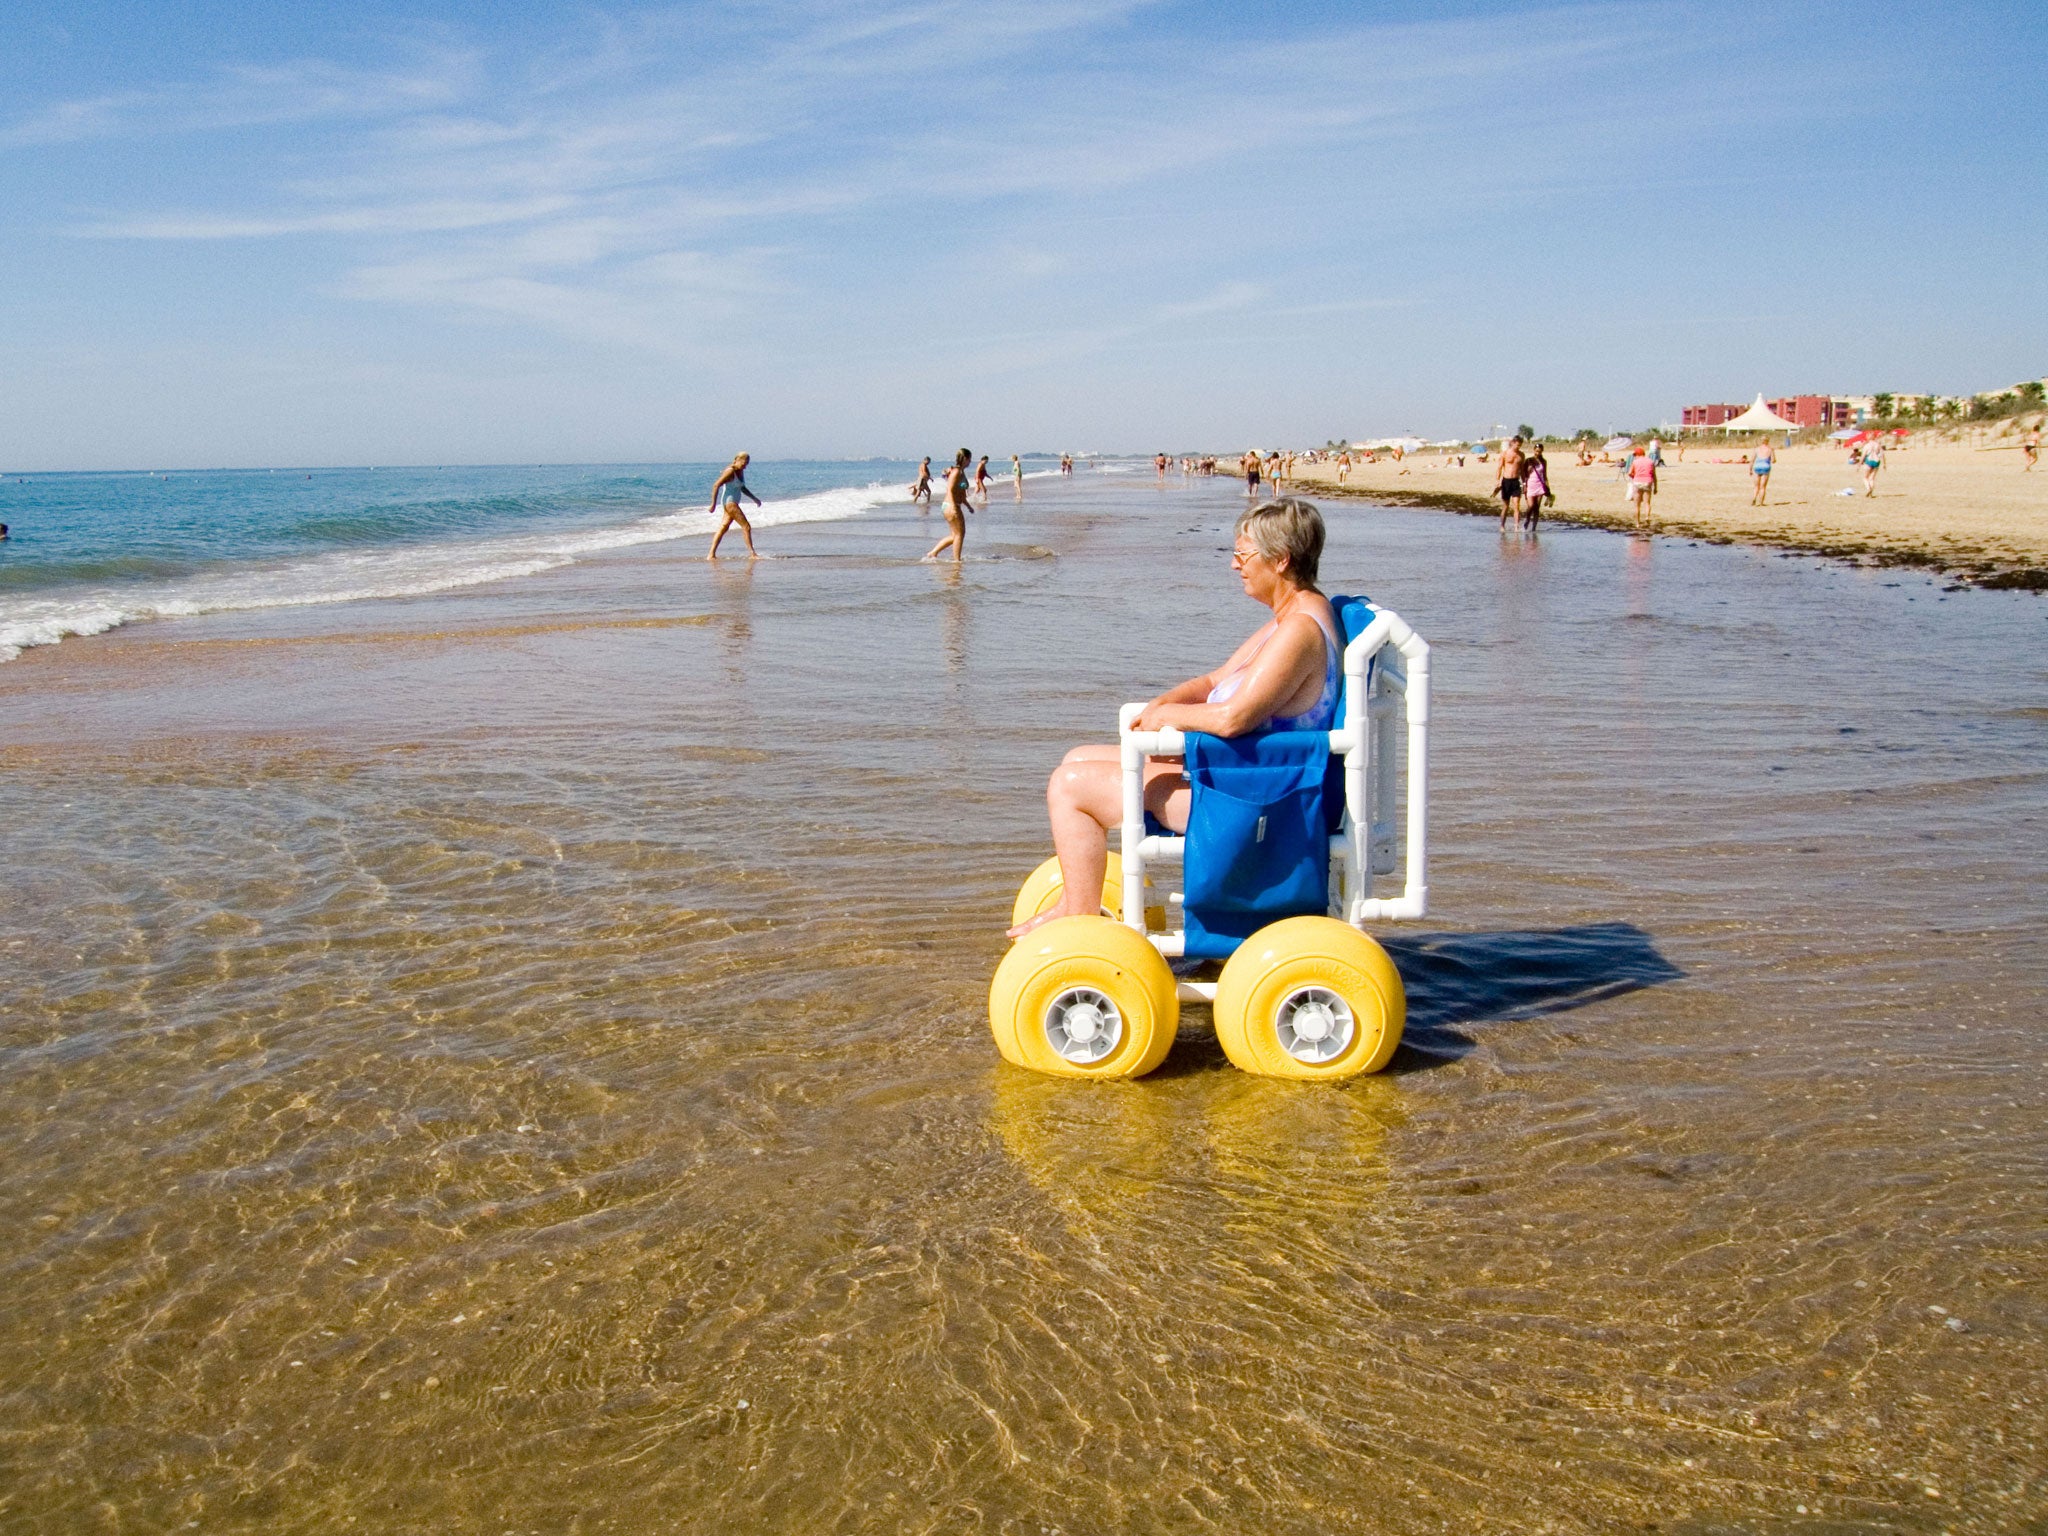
point(1960, 508)
point(517, 1061)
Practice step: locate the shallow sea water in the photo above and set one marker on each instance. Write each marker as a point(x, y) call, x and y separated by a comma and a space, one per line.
point(516, 1061)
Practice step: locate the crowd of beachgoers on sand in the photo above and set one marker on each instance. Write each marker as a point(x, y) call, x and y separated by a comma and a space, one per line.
point(1965, 500)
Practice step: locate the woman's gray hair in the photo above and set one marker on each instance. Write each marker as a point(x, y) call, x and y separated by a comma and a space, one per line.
point(1289, 528)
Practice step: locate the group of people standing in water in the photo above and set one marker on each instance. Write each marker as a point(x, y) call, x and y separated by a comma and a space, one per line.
point(956, 487)
point(956, 492)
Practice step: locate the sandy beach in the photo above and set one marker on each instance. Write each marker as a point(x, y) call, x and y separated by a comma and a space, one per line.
point(1959, 508)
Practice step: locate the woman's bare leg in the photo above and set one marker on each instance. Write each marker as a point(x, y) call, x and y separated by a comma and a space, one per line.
point(718, 538)
point(1084, 799)
point(956, 536)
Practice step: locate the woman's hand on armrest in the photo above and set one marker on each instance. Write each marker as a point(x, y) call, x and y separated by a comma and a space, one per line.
point(1228, 719)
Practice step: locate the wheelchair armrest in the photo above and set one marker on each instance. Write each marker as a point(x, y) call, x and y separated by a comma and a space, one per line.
point(1166, 743)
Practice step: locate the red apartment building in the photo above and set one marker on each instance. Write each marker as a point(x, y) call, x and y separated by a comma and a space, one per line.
point(1697, 416)
point(1801, 410)
point(1812, 410)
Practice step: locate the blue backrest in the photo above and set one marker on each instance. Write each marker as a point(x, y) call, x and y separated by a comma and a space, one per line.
point(1354, 615)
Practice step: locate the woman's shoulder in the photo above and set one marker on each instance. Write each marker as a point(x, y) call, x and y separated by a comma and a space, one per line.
point(1315, 612)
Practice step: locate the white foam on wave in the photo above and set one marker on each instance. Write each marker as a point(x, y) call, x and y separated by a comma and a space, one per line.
point(408, 571)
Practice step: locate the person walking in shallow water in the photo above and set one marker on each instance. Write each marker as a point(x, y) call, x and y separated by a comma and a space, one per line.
point(955, 508)
point(726, 492)
point(1535, 484)
point(1017, 474)
point(1507, 482)
point(1641, 475)
point(981, 478)
point(921, 487)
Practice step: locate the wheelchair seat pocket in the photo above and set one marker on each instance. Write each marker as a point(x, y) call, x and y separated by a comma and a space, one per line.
point(1258, 834)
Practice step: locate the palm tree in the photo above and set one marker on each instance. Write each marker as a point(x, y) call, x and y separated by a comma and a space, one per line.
point(1882, 405)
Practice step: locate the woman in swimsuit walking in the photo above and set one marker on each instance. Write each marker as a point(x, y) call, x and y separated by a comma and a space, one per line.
point(726, 492)
point(1535, 485)
point(955, 508)
point(981, 478)
point(1284, 678)
point(1760, 468)
point(1017, 474)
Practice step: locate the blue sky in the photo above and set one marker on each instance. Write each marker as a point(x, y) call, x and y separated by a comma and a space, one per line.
point(268, 234)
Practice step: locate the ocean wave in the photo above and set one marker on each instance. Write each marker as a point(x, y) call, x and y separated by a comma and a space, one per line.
point(413, 570)
point(419, 520)
point(122, 568)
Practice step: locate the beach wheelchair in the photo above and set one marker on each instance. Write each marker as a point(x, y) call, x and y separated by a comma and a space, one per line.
point(1286, 833)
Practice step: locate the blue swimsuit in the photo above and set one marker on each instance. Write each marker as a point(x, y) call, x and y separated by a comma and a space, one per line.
point(1319, 716)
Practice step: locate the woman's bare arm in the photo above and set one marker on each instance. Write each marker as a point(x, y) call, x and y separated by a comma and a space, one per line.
point(1276, 675)
point(1195, 688)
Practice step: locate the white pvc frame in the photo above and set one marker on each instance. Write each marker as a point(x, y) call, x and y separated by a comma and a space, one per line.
point(1384, 668)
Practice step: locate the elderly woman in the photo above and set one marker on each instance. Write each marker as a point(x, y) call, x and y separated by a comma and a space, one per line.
point(1283, 678)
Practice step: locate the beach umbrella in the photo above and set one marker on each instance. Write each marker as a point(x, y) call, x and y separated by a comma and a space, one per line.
point(1846, 432)
point(1615, 444)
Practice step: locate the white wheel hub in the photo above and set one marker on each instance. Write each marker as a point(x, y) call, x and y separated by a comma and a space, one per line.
point(1082, 1025)
point(1314, 1024)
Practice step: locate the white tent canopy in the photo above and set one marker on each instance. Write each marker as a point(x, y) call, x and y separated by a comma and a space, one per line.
point(1759, 418)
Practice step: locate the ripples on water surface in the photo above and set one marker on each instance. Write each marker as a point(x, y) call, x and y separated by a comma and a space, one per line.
point(516, 1061)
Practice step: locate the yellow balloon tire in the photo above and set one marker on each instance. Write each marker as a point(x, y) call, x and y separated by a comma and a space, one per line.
point(1043, 887)
point(1313, 960)
point(1084, 958)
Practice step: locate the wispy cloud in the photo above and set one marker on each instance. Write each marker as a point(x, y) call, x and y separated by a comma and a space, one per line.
point(1228, 297)
point(646, 184)
point(406, 218)
point(249, 95)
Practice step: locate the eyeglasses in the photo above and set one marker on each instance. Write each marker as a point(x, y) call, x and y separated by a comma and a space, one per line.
point(1240, 556)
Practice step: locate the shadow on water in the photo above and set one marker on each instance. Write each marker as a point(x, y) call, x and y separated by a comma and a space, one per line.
point(1455, 980)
